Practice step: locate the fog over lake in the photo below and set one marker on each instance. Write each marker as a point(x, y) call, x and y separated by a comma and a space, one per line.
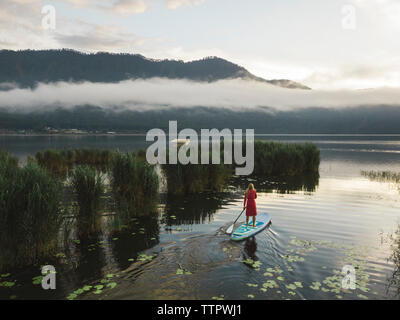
point(158, 93)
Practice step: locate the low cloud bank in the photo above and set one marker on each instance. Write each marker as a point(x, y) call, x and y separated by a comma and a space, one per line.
point(154, 94)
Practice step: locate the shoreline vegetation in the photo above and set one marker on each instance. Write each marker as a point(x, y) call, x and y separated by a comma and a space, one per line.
point(382, 176)
point(37, 198)
point(143, 133)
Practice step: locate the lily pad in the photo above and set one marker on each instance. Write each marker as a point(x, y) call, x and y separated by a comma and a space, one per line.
point(72, 296)
point(7, 284)
point(112, 285)
point(252, 285)
point(37, 280)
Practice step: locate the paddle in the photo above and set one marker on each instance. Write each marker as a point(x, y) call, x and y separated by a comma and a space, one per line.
point(230, 229)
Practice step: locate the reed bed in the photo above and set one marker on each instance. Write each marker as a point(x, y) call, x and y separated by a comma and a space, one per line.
point(285, 159)
point(195, 178)
point(134, 184)
point(30, 213)
point(271, 159)
point(382, 176)
point(61, 162)
point(88, 188)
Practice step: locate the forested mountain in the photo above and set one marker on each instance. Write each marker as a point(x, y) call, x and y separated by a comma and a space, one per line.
point(366, 120)
point(28, 67)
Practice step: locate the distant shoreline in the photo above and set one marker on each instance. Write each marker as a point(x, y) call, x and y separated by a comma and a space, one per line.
point(69, 134)
point(144, 134)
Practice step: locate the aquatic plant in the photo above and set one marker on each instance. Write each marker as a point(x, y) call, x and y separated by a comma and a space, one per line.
point(88, 188)
point(271, 159)
point(7, 161)
point(53, 161)
point(30, 214)
point(195, 178)
point(100, 159)
point(382, 176)
point(134, 184)
point(285, 159)
point(283, 185)
point(60, 162)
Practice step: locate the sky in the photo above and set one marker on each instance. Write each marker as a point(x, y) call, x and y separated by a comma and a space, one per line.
point(327, 45)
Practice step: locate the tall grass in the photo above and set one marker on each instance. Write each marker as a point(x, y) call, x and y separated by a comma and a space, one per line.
point(271, 159)
point(100, 159)
point(134, 184)
point(284, 159)
point(88, 188)
point(195, 178)
point(53, 161)
point(7, 161)
point(30, 215)
point(61, 162)
point(382, 176)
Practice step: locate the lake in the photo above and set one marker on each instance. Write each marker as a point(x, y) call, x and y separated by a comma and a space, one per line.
point(346, 218)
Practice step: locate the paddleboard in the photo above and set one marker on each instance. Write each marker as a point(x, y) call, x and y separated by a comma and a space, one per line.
point(244, 232)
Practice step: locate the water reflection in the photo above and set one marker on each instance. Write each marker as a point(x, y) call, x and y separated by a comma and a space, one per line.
point(282, 185)
point(394, 280)
point(91, 258)
point(192, 209)
point(250, 248)
point(132, 237)
point(382, 176)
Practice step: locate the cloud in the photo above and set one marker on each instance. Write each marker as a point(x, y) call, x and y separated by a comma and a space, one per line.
point(123, 7)
point(364, 75)
point(20, 25)
point(174, 4)
point(94, 37)
point(384, 12)
point(159, 94)
point(126, 7)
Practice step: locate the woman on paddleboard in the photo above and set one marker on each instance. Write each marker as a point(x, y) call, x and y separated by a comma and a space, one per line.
point(250, 197)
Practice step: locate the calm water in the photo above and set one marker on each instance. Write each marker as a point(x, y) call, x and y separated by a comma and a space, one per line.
point(183, 253)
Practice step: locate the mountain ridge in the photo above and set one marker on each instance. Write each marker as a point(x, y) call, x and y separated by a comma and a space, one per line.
point(29, 67)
